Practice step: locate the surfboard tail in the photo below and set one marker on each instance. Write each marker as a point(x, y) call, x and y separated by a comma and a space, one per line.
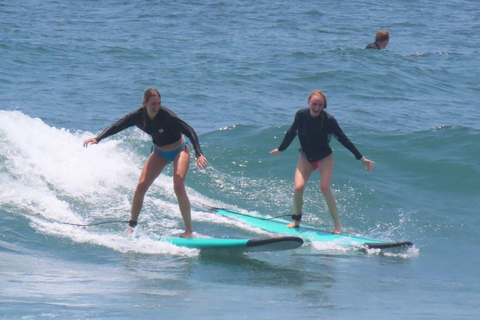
point(387, 245)
point(274, 244)
point(240, 245)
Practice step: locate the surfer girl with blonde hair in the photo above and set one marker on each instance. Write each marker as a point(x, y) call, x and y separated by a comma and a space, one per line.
point(315, 127)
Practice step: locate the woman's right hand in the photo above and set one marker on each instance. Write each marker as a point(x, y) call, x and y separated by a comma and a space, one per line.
point(275, 152)
point(91, 140)
point(367, 164)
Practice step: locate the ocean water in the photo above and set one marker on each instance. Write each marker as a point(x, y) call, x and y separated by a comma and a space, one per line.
point(237, 72)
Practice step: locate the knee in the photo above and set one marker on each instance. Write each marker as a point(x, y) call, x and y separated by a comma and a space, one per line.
point(299, 188)
point(178, 185)
point(142, 188)
point(325, 189)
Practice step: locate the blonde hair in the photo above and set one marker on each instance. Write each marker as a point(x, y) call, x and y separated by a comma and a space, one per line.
point(150, 92)
point(320, 94)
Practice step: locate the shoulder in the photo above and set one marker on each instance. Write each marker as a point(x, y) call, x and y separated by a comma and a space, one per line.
point(372, 46)
point(135, 114)
point(328, 115)
point(329, 118)
point(302, 112)
point(137, 111)
point(165, 110)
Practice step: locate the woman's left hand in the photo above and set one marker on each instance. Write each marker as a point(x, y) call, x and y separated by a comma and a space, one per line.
point(201, 162)
point(367, 164)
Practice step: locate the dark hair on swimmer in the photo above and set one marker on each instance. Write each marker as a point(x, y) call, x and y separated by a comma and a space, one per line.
point(320, 94)
point(382, 35)
point(150, 92)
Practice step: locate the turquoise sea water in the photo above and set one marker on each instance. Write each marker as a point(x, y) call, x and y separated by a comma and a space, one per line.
point(237, 72)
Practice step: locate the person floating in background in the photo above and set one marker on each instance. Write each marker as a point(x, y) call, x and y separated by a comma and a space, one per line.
point(315, 127)
point(169, 145)
point(381, 40)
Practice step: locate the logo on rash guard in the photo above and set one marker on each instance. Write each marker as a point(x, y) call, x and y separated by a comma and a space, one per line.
point(160, 130)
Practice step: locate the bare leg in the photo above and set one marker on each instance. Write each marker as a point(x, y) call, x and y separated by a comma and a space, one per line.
point(302, 174)
point(325, 167)
point(180, 169)
point(152, 169)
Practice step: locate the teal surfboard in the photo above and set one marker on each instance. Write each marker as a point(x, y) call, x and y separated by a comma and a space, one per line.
point(308, 233)
point(244, 245)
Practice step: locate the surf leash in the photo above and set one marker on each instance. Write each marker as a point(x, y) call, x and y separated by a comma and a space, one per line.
point(243, 214)
point(93, 224)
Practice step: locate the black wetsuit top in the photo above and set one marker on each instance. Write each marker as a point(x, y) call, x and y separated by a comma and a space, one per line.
point(373, 46)
point(166, 128)
point(315, 135)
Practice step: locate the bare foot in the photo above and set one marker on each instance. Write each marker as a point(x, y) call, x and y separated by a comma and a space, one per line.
point(187, 234)
point(129, 230)
point(337, 230)
point(294, 224)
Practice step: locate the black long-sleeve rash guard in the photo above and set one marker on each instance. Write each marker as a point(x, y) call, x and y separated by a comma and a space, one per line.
point(166, 128)
point(315, 135)
point(373, 45)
